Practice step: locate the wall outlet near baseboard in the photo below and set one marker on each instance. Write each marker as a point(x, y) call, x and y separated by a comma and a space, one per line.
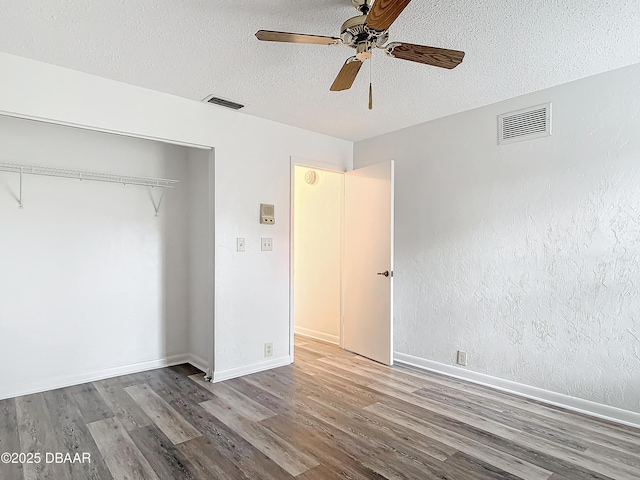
point(268, 349)
point(462, 358)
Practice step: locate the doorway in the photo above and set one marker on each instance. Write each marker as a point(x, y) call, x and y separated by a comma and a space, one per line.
point(341, 259)
point(318, 199)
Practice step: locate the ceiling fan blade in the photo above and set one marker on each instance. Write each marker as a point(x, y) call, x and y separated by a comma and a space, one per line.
point(347, 75)
point(438, 57)
point(271, 36)
point(384, 12)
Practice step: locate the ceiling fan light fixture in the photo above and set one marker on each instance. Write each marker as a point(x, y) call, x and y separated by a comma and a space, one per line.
point(364, 51)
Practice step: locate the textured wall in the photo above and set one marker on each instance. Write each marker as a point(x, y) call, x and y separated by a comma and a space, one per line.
point(527, 255)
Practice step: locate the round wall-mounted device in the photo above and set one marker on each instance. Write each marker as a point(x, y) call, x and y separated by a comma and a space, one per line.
point(311, 177)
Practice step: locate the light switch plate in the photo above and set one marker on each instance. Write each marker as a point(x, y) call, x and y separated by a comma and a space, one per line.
point(267, 244)
point(240, 244)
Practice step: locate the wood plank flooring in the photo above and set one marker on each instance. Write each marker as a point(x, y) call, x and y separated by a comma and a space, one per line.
point(330, 415)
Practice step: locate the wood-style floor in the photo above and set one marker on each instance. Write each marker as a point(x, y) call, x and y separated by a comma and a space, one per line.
point(330, 415)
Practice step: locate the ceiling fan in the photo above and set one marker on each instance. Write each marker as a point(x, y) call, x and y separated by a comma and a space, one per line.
point(366, 31)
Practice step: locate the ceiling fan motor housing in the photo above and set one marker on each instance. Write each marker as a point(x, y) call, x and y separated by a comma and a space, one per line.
point(355, 32)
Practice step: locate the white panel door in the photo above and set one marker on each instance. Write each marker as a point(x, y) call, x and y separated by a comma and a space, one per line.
point(368, 262)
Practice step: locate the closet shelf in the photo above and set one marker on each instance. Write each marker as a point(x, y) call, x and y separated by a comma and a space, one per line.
point(21, 170)
point(84, 175)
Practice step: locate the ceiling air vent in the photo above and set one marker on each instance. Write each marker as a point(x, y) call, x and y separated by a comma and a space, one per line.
point(223, 102)
point(533, 122)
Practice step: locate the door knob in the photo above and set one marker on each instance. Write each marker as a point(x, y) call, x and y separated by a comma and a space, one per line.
point(385, 273)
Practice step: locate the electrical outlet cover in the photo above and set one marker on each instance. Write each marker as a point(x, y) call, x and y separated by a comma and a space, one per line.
point(462, 358)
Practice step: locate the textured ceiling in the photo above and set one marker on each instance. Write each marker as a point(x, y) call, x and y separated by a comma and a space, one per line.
point(192, 48)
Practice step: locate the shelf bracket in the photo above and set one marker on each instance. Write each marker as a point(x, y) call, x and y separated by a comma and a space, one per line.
point(20, 195)
point(157, 206)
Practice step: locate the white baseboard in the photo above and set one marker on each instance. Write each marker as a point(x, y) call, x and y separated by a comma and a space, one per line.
point(575, 404)
point(325, 337)
point(198, 362)
point(63, 381)
point(252, 368)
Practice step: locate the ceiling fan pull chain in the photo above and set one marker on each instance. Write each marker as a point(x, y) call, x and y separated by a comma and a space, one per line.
point(370, 86)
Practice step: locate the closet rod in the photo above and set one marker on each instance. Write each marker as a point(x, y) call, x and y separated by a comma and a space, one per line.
point(83, 175)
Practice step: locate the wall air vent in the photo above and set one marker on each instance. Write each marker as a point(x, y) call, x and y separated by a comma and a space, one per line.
point(223, 102)
point(533, 122)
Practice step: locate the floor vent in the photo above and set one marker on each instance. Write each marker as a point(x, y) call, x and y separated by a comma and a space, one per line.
point(532, 122)
point(223, 102)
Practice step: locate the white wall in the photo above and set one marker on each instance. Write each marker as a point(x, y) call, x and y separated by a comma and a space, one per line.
point(91, 282)
point(201, 257)
point(252, 166)
point(527, 256)
point(318, 254)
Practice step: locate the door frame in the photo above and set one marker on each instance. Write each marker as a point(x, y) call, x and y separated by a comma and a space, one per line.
point(316, 165)
point(211, 263)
